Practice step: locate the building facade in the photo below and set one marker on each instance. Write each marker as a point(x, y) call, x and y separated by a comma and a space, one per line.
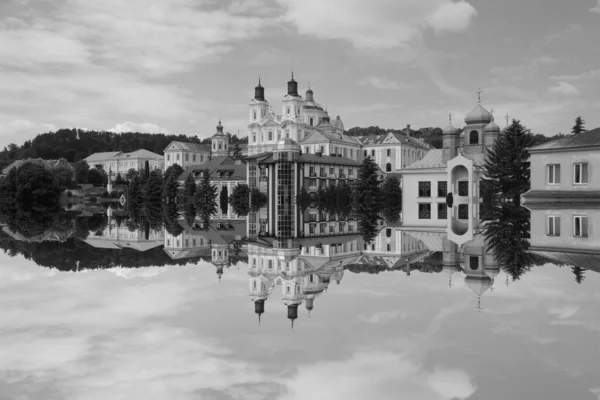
point(393, 152)
point(116, 162)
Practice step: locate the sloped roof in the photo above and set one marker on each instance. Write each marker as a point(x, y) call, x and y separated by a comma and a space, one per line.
point(581, 140)
point(218, 164)
point(381, 140)
point(433, 159)
point(583, 260)
point(563, 194)
point(191, 146)
point(102, 156)
point(142, 153)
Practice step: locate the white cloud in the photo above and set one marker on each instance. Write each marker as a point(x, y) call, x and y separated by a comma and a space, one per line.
point(383, 83)
point(382, 317)
point(377, 24)
point(564, 312)
point(452, 16)
point(565, 89)
point(594, 74)
point(451, 384)
point(596, 9)
point(144, 127)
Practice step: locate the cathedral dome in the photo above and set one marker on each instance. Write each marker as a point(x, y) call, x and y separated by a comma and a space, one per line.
point(479, 285)
point(492, 127)
point(479, 115)
point(219, 132)
point(287, 144)
point(450, 130)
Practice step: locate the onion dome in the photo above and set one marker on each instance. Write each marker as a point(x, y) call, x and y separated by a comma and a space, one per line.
point(309, 304)
point(219, 130)
point(492, 127)
point(259, 92)
point(451, 130)
point(293, 313)
point(310, 103)
point(309, 95)
point(293, 87)
point(479, 285)
point(287, 144)
point(479, 115)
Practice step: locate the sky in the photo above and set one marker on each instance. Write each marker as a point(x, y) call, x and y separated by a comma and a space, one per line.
point(177, 66)
point(178, 333)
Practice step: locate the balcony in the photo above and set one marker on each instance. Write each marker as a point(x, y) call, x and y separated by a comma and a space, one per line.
point(342, 176)
point(312, 174)
point(323, 175)
point(332, 176)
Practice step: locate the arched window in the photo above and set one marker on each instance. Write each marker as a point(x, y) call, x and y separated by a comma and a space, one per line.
point(310, 121)
point(474, 137)
point(388, 167)
point(254, 115)
point(388, 232)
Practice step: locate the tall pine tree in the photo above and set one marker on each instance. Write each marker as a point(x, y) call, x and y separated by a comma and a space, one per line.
point(392, 199)
point(205, 198)
point(579, 126)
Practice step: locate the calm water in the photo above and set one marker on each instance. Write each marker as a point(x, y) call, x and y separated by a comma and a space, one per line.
point(171, 329)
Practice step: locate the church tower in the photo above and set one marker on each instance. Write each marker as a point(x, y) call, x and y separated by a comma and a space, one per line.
point(491, 134)
point(259, 106)
point(219, 142)
point(450, 135)
point(476, 121)
point(291, 110)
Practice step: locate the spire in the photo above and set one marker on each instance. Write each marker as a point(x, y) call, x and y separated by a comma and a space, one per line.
point(450, 118)
point(479, 95)
point(259, 91)
point(219, 127)
point(292, 87)
point(507, 117)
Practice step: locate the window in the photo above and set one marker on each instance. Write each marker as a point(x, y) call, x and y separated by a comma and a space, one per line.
point(310, 121)
point(193, 157)
point(474, 262)
point(270, 135)
point(311, 229)
point(331, 170)
point(168, 157)
point(424, 211)
point(351, 153)
point(580, 173)
point(553, 225)
point(580, 226)
point(311, 170)
point(389, 152)
point(312, 182)
point(350, 171)
point(322, 228)
point(442, 211)
point(463, 188)
point(463, 211)
point(388, 167)
point(254, 115)
point(365, 153)
point(254, 137)
point(373, 153)
point(424, 189)
point(177, 157)
point(388, 232)
point(474, 137)
point(288, 111)
point(442, 189)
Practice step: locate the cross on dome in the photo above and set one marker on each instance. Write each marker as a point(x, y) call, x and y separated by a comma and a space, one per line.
point(507, 118)
point(479, 95)
point(450, 118)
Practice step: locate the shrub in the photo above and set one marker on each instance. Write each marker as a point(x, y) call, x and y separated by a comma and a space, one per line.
point(113, 194)
point(69, 194)
point(93, 199)
point(105, 194)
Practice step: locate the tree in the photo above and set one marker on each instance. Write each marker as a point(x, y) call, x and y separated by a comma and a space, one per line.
point(506, 165)
point(237, 151)
point(223, 200)
point(63, 177)
point(392, 199)
point(240, 199)
point(81, 169)
point(35, 188)
point(579, 274)
point(131, 174)
point(95, 177)
point(579, 126)
point(146, 170)
point(135, 197)
point(205, 198)
point(303, 199)
point(119, 180)
point(153, 189)
point(257, 199)
point(171, 183)
point(367, 193)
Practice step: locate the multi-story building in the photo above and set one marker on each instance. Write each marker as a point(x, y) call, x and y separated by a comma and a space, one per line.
point(281, 174)
point(566, 170)
point(117, 162)
point(225, 173)
point(394, 152)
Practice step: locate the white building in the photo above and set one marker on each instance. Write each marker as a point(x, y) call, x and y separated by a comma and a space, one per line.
point(393, 152)
point(117, 162)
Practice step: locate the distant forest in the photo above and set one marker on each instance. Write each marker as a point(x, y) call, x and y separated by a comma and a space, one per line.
point(74, 145)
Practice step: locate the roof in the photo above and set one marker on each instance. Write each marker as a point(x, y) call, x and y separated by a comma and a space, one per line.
point(102, 156)
point(589, 261)
point(562, 194)
point(479, 115)
point(313, 158)
point(331, 136)
point(218, 164)
point(381, 140)
point(433, 159)
point(117, 155)
point(38, 161)
point(191, 146)
point(580, 140)
point(142, 153)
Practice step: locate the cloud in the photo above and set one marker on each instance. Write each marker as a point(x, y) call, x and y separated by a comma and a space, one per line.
point(377, 24)
point(594, 74)
point(530, 69)
point(596, 9)
point(383, 83)
point(451, 384)
point(565, 89)
point(144, 127)
point(452, 16)
point(381, 317)
point(564, 312)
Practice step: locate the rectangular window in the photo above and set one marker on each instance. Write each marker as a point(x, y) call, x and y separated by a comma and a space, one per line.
point(270, 135)
point(442, 210)
point(350, 171)
point(373, 153)
point(177, 157)
point(322, 228)
point(351, 153)
point(424, 211)
point(389, 152)
point(442, 189)
point(424, 189)
point(580, 173)
point(312, 182)
point(187, 157)
point(463, 211)
point(553, 225)
point(553, 172)
point(463, 188)
point(365, 153)
point(311, 229)
point(193, 157)
point(580, 226)
point(473, 262)
point(331, 170)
